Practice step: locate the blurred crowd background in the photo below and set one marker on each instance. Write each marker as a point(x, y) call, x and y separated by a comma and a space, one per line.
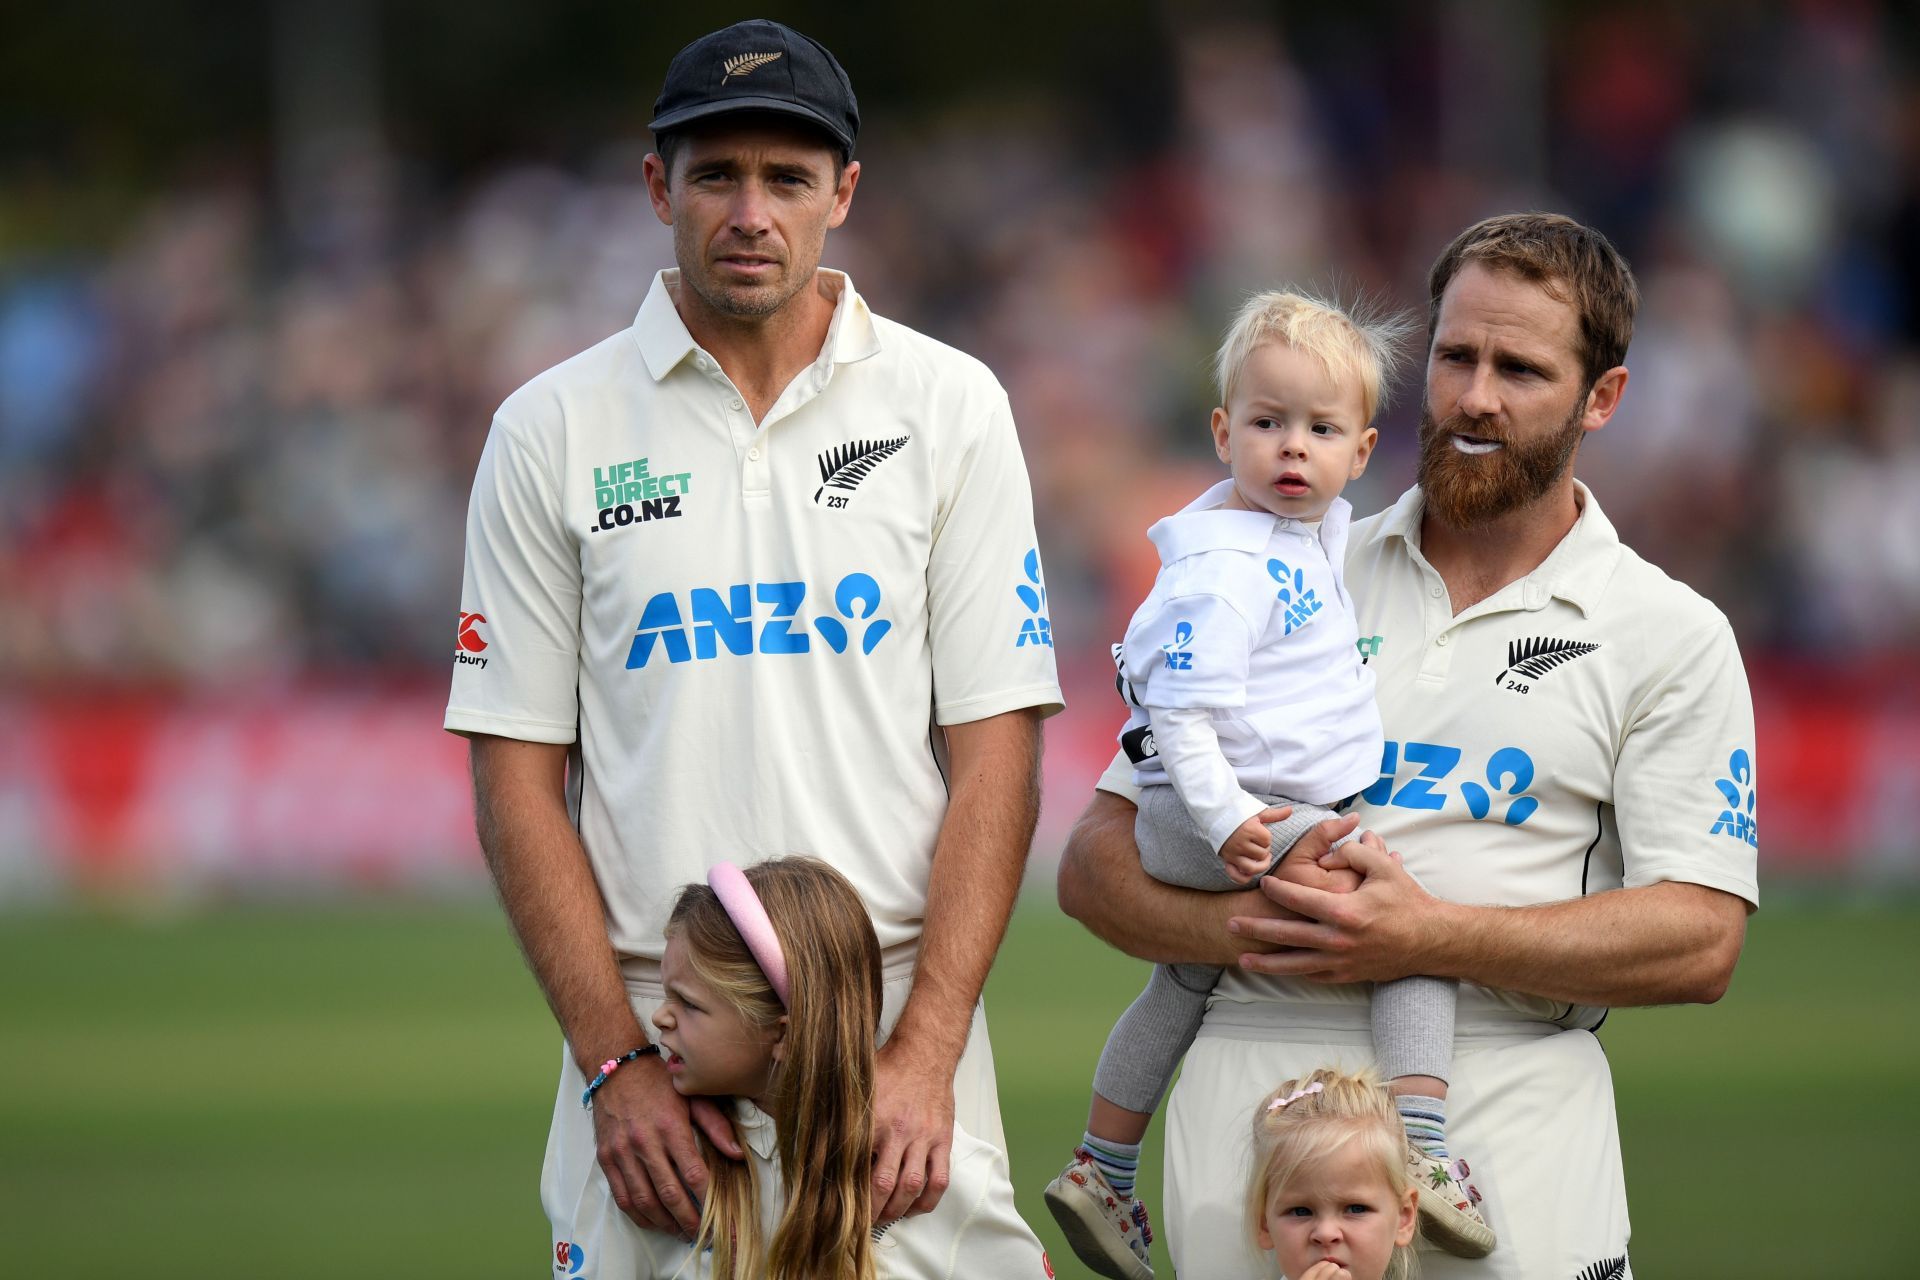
point(265, 272)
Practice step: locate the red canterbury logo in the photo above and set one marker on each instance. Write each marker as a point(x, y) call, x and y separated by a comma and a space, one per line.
point(468, 637)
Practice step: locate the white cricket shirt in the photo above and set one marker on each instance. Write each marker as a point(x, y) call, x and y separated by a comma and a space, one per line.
point(1587, 727)
point(1249, 620)
point(749, 631)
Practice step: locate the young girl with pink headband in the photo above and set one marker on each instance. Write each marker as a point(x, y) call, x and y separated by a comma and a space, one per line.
point(773, 998)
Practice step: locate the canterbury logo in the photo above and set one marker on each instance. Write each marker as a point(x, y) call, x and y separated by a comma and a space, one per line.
point(1534, 658)
point(746, 64)
point(845, 466)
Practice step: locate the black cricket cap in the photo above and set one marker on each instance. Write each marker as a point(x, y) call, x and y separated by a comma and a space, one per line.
point(758, 66)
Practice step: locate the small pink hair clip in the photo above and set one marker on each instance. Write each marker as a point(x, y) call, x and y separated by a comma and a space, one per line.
point(1296, 1095)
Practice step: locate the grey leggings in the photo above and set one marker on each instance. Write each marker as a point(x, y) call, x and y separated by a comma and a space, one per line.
point(1412, 1018)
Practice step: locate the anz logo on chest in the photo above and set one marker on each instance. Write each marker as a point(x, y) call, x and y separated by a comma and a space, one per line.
point(757, 617)
point(1497, 789)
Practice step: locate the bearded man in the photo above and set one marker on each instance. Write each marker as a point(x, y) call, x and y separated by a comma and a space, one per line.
point(1568, 777)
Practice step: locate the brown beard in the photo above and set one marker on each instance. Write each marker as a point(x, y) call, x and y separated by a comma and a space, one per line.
point(1465, 491)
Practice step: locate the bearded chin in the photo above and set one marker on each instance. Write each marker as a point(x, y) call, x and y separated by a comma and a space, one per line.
point(1466, 491)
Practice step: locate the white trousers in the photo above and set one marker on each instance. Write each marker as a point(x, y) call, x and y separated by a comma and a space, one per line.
point(975, 1231)
point(1530, 1109)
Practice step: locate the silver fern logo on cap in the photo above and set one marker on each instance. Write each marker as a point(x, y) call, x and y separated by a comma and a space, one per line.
point(745, 64)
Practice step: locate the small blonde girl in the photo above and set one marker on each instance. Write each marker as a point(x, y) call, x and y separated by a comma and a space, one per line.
point(1329, 1195)
point(773, 998)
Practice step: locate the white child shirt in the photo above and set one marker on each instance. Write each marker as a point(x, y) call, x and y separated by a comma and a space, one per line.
point(1249, 623)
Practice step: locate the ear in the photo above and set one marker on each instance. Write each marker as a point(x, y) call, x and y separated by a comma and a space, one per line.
point(1365, 451)
point(1219, 426)
point(1263, 1237)
point(843, 194)
point(654, 170)
point(1409, 1219)
point(1604, 398)
point(777, 1045)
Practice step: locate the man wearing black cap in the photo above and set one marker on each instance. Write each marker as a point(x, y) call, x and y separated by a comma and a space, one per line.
point(728, 571)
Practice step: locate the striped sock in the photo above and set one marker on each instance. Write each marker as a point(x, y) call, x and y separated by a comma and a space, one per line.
point(1118, 1162)
point(1426, 1121)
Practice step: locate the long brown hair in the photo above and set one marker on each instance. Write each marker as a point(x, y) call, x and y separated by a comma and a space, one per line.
point(822, 1088)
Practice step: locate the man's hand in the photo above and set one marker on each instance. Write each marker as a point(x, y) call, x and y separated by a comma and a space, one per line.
point(912, 1131)
point(644, 1133)
point(1249, 850)
point(1373, 934)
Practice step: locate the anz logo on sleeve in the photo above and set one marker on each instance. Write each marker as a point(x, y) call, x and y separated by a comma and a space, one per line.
point(759, 617)
point(1494, 790)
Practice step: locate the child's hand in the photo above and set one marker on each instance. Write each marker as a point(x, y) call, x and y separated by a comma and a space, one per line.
point(1249, 850)
point(1327, 1271)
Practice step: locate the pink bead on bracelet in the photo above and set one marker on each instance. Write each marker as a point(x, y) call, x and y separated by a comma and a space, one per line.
point(610, 1066)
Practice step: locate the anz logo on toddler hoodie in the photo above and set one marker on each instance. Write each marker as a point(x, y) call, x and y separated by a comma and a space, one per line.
point(759, 617)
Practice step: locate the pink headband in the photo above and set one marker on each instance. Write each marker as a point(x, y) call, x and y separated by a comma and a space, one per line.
point(742, 906)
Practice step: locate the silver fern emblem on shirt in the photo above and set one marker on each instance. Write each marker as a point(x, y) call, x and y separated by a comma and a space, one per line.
point(1605, 1269)
point(746, 64)
point(845, 466)
point(1533, 658)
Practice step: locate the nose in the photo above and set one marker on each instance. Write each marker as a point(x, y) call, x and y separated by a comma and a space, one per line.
point(1479, 399)
point(1293, 442)
point(661, 1018)
point(749, 215)
point(1326, 1229)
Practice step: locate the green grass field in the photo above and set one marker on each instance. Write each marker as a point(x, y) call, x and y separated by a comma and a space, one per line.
point(361, 1091)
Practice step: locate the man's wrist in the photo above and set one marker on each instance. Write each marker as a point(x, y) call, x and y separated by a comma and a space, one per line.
point(925, 1049)
point(1448, 938)
point(590, 1051)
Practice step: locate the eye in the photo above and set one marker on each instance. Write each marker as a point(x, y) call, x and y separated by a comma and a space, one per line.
point(1296, 1211)
point(1265, 424)
point(1357, 1209)
point(1520, 370)
point(1325, 429)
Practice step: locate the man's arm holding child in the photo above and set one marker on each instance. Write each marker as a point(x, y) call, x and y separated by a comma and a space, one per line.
point(1658, 944)
point(644, 1129)
point(1665, 943)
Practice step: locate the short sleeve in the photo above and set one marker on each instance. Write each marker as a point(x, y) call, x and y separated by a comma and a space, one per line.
point(1686, 785)
point(989, 623)
point(1190, 651)
point(1118, 779)
point(516, 659)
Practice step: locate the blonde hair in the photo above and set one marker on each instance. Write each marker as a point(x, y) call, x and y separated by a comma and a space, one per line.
point(822, 1089)
point(1352, 343)
point(1291, 1139)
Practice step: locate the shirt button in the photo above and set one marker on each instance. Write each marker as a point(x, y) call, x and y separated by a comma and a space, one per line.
point(738, 403)
point(1434, 592)
point(700, 362)
point(753, 454)
point(1441, 640)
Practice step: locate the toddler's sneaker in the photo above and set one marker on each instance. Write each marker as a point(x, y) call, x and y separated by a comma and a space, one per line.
point(1109, 1232)
point(1449, 1206)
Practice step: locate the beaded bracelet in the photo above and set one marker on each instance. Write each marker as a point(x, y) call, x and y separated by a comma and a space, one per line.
point(610, 1066)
